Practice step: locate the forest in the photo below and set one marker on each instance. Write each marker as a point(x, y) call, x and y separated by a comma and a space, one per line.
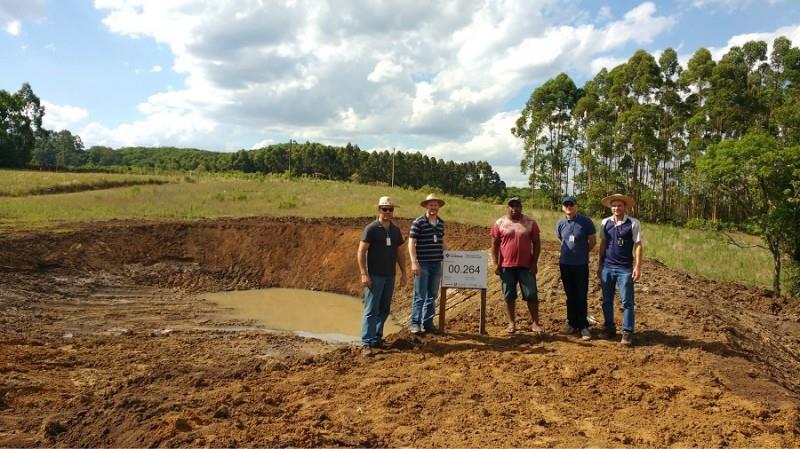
point(714, 142)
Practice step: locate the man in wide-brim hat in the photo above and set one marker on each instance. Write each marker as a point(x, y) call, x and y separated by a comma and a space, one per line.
point(629, 202)
point(426, 250)
point(620, 261)
point(429, 198)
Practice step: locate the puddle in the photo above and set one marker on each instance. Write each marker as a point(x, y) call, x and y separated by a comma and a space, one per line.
point(306, 313)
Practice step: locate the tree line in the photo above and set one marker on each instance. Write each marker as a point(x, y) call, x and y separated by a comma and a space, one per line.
point(25, 144)
point(715, 141)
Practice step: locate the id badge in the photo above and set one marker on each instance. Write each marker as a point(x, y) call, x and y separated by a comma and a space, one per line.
point(572, 239)
point(388, 241)
point(435, 238)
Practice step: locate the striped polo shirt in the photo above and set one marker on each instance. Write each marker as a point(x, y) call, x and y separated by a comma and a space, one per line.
point(429, 239)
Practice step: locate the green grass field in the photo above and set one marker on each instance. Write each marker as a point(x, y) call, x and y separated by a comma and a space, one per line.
point(17, 183)
point(207, 196)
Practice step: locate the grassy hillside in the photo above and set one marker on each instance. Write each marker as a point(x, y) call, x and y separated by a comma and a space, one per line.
point(193, 197)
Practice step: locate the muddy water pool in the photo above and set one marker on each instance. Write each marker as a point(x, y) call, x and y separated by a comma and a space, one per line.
point(323, 315)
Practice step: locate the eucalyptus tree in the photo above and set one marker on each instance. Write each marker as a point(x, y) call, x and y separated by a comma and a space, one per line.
point(549, 134)
point(673, 114)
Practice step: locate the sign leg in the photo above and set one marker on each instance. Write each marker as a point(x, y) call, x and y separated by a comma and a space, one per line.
point(442, 307)
point(483, 312)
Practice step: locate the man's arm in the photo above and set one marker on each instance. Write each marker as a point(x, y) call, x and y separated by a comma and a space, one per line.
point(637, 259)
point(592, 242)
point(361, 256)
point(602, 257)
point(401, 260)
point(496, 255)
point(412, 255)
point(536, 249)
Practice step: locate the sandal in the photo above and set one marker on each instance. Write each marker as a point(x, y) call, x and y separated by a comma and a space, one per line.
point(511, 329)
point(537, 330)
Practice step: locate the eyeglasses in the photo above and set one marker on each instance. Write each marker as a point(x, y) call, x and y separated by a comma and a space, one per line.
point(387, 209)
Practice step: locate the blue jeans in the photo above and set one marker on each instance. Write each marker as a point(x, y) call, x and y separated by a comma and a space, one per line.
point(426, 288)
point(377, 303)
point(611, 278)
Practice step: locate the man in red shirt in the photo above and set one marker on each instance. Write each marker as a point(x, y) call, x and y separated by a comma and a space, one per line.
point(515, 251)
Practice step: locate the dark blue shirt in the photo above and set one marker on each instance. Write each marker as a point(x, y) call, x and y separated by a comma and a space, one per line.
point(574, 235)
point(619, 240)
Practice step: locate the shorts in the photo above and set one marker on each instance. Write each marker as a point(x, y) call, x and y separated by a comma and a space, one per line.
point(510, 277)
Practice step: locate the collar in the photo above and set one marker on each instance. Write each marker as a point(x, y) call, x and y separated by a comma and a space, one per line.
point(624, 219)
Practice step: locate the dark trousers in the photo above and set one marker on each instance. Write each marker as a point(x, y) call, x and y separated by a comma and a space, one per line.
point(575, 279)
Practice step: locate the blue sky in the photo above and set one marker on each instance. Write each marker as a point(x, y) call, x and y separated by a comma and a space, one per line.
point(444, 78)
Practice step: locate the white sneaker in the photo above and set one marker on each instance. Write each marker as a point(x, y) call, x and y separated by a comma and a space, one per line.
point(415, 329)
point(585, 334)
point(568, 330)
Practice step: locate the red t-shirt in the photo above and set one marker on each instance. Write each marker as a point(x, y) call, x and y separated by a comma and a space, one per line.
point(515, 241)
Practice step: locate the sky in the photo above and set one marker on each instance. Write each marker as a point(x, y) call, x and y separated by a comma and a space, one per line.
point(446, 78)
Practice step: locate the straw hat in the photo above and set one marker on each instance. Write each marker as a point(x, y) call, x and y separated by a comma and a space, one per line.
point(432, 197)
point(629, 202)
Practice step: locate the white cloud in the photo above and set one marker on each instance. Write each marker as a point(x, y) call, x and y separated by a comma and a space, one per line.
point(58, 117)
point(14, 12)
point(792, 32)
point(156, 69)
point(728, 5)
point(334, 69)
point(384, 70)
point(14, 27)
point(606, 62)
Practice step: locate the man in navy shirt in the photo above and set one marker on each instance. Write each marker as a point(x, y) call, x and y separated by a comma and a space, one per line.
point(620, 262)
point(576, 233)
point(379, 251)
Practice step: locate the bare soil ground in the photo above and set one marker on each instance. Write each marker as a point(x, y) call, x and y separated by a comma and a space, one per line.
point(105, 342)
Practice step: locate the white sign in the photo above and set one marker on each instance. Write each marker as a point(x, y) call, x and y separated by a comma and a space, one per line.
point(464, 269)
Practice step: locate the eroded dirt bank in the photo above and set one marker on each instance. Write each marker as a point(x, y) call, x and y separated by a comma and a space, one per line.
point(104, 342)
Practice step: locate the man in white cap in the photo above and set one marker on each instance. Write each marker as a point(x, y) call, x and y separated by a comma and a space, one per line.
point(378, 253)
point(620, 263)
point(425, 248)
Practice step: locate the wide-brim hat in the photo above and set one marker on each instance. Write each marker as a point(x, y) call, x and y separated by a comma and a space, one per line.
point(429, 198)
point(629, 202)
point(386, 201)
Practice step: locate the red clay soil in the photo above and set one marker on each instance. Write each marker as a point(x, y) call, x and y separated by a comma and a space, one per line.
point(104, 341)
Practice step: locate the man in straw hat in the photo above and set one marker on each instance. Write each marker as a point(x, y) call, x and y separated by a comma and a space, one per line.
point(378, 253)
point(425, 247)
point(620, 261)
point(516, 245)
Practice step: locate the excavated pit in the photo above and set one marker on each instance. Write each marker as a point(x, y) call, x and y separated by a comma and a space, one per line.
point(105, 340)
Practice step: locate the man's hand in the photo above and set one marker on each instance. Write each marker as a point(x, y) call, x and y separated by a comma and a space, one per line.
point(366, 281)
point(497, 270)
point(535, 269)
point(403, 278)
point(415, 268)
point(636, 274)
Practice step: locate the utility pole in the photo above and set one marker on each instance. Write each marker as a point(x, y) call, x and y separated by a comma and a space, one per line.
point(393, 151)
point(290, 158)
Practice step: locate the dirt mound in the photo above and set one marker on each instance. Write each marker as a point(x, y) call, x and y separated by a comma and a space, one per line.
point(104, 342)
